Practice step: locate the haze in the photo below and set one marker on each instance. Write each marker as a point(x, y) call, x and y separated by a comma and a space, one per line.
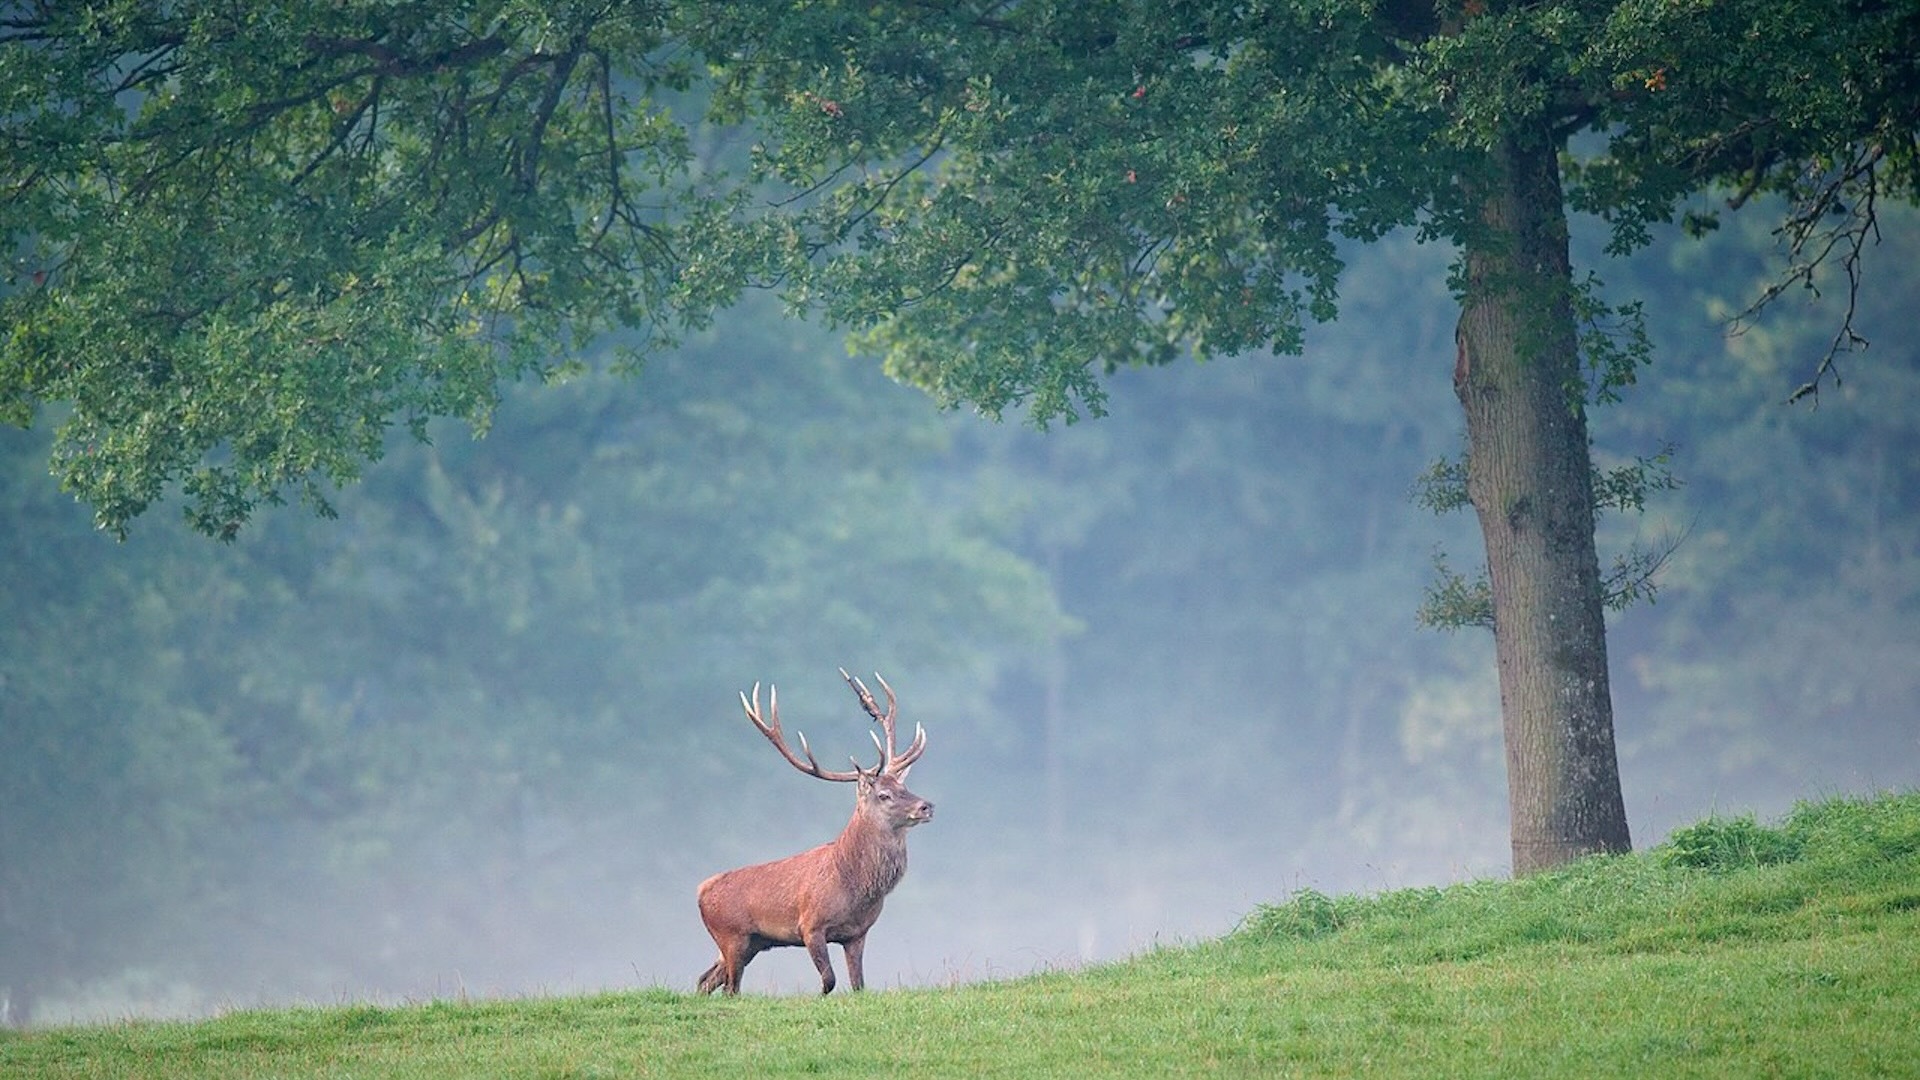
point(480, 735)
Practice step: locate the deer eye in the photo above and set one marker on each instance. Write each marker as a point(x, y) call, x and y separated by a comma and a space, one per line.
point(883, 793)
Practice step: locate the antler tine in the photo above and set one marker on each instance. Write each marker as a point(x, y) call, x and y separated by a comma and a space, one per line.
point(873, 710)
point(890, 761)
point(914, 749)
point(899, 762)
point(770, 727)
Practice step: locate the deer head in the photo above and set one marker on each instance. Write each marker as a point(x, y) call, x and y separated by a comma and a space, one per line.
point(882, 789)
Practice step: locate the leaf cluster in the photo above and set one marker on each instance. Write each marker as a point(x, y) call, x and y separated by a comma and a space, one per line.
point(244, 241)
point(1009, 201)
point(1454, 600)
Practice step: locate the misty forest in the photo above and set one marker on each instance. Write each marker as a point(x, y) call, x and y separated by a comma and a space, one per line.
point(473, 728)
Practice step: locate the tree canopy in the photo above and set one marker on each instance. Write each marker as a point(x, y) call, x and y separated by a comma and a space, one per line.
point(245, 242)
point(1010, 199)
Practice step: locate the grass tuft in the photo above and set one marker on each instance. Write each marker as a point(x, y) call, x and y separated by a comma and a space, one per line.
point(1730, 844)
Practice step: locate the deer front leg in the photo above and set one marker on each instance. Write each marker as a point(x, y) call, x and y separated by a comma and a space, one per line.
point(856, 972)
point(816, 941)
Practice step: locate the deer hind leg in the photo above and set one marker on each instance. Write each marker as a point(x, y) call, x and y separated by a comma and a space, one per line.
point(714, 977)
point(817, 949)
point(725, 973)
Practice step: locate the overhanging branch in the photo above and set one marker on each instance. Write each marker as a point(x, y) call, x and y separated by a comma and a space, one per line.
point(1836, 216)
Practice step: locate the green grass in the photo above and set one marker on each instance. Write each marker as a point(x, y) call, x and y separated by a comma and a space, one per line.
point(1734, 949)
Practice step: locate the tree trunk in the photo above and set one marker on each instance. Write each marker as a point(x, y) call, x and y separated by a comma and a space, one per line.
point(1530, 479)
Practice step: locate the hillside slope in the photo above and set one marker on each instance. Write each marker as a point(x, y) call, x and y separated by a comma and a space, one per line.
point(1733, 949)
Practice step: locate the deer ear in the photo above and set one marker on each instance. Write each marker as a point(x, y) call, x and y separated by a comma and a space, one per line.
point(901, 773)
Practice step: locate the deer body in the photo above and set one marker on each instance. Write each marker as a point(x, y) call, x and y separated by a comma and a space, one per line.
point(831, 894)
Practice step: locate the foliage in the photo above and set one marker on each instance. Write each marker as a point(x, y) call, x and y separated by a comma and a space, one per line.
point(1615, 966)
point(1008, 200)
point(244, 242)
point(1453, 600)
point(243, 245)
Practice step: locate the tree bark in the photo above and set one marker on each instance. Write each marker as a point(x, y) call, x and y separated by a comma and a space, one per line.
point(1529, 476)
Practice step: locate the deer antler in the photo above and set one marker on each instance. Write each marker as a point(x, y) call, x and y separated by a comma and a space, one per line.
point(890, 763)
point(770, 727)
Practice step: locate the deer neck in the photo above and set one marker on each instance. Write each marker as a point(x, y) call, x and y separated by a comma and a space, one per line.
point(872, 858)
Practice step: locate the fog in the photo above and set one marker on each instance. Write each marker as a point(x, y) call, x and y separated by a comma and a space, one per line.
point(480, 735)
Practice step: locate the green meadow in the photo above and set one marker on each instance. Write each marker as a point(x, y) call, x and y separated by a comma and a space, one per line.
point(1734, 949)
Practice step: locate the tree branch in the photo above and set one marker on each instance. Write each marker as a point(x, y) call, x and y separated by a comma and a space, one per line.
point(1823, 221)
point(388, 62)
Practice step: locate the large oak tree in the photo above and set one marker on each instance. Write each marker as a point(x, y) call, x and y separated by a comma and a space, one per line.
point(245, 239)
point(1007, 199)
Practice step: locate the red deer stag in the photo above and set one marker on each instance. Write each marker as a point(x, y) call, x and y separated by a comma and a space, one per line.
point(832, 893)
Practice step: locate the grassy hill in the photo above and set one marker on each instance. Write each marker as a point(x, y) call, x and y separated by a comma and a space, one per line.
point(1734, 949)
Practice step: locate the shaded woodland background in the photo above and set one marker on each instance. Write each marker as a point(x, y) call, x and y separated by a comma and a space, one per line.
point(479, 735)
